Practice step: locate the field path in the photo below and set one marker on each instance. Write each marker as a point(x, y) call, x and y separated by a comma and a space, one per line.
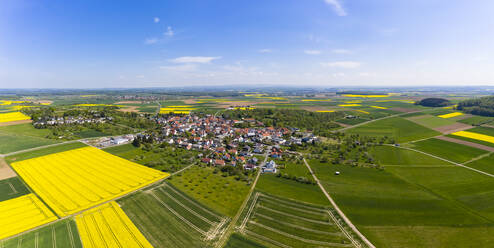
point(338, 210)
point(443, 159)
point(378, 119)
point(224, 237)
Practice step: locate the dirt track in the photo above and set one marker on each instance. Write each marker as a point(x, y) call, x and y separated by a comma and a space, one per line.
point(467, 143)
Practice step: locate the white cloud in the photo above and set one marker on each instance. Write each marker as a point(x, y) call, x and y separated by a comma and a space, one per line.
point(312, 52)
point(388, 31)
point(341, 51)
point(150, 41)
point(343, 64)
point(337, 7)
point(179, 68)
point(156, 20)
point(265, 51)
point(197, 59)
point(169, 32)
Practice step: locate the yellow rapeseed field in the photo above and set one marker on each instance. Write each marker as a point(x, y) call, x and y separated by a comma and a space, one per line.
point(365, 96)
point(362, 111)
point(349, 105)
point(325, 111)
point(76, 180)
point(13, 116)
point(450, 115)
point(21, 214)
point(108, 226)
point(476, 136)
point(378, 107)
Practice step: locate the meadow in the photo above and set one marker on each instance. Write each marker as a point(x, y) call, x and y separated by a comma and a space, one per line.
point(225, 194)
point(388, 155)
point(78, 179)
point(432, 121)
point(485, 164)
point(61, 234)
point(401, 130)
point(452, 151)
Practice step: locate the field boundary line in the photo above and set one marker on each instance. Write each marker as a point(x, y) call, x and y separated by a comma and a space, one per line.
point(53, 236)
point(338, 210)
point(478, 158)
point(298, 227)
point(36, 240)
point(187, 208)
point(335, 220)
point(192, 202)
point(69, 228)
point(443, 159)
point(310, 241)
point(251, 208)
point(292, 203)
point(297, 217)
point(378, 119)
point(14, 191)
point(261, 237)
point(178, 215)
point(216, 229)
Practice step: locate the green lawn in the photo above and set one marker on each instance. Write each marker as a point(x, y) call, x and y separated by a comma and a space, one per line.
point(61, 234)
point(44, 151)
point(393, 207)
point(400, 129)
point(389, 155)
point(11, 188)
point(224, 194)
point(452, 151)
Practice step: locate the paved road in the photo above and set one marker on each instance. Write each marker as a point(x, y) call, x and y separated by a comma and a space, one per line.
point(342, 215)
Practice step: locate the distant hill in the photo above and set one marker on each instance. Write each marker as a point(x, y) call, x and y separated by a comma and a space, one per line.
point(478, 106)
point(434, 102)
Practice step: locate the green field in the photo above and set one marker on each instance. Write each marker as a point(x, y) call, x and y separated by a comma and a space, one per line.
point(477, 120)
point(237, 240)
point(452, 151)
point(277, 221)
point(11, 188)
point(225, 194)
point(44, 151)
point(482, 130)
point(400, 129)
point(61, 234)
point(23, 136)
point(169, 159)
point(393, 207)
point(433, 121)
point(485, 164)
point(389, 155)
point(169, 218)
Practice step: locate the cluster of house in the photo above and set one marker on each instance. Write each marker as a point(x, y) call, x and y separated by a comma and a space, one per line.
point(111, 141)
point(54, 121)
point(225, 143)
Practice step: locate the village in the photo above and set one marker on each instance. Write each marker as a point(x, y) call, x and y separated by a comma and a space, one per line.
point(223, 143)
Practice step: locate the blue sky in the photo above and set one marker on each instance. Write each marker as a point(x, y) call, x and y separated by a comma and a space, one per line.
point(86, 44)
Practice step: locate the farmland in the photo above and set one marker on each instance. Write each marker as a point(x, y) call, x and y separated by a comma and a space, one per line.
point(22, 136)
point(21, 214)
point(62, 234)
point(13, 116)
point(400, 129)
point(12, 188)
point(222, 193)
point(75, 180)
point(280, 222)
point(452, 151)
point(188, 222)
point(108, 226)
